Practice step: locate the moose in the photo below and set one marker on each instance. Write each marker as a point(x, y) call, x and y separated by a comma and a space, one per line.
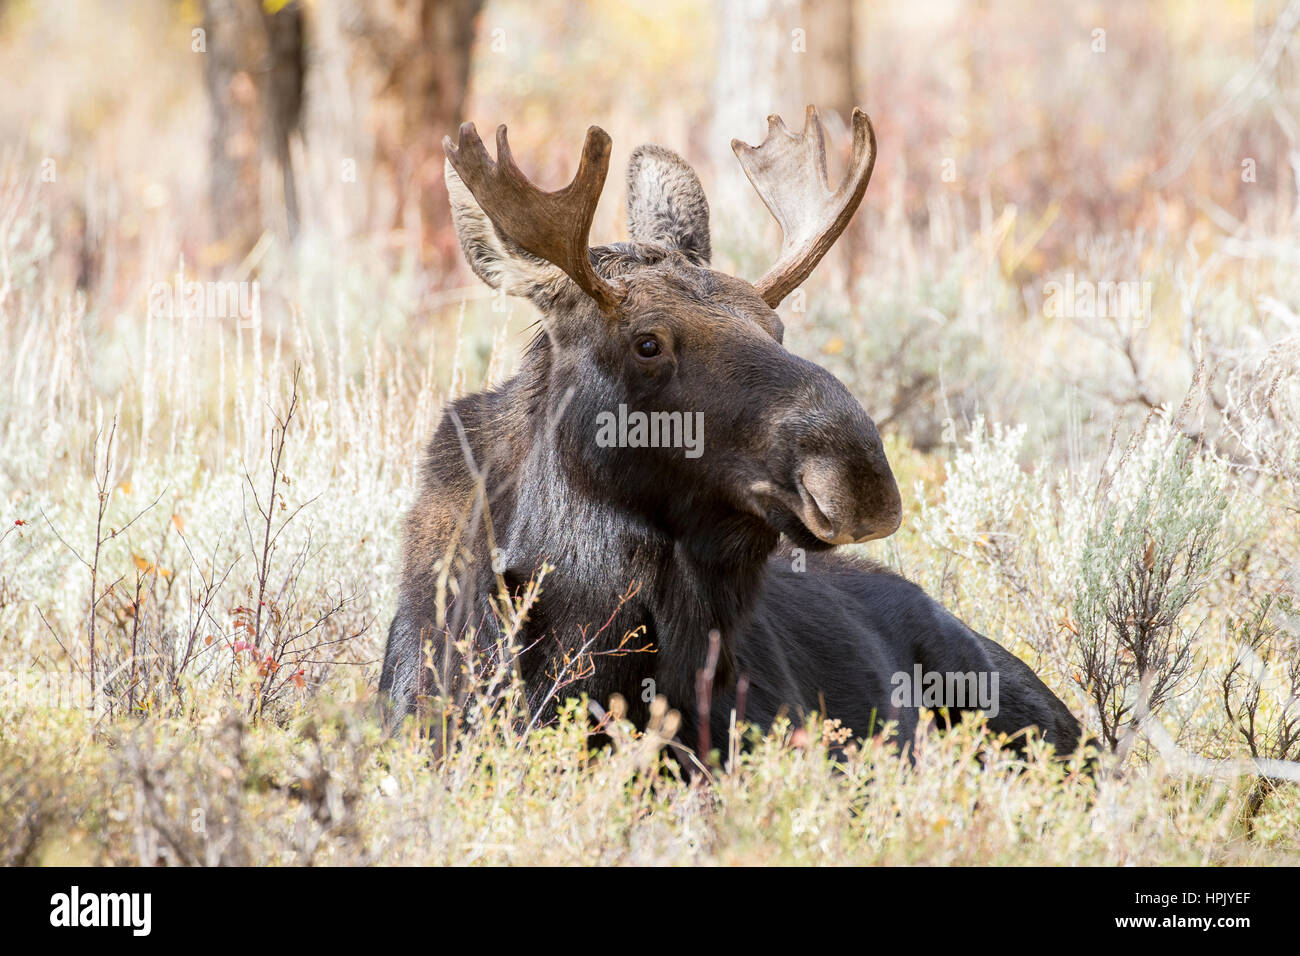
point(720, 562)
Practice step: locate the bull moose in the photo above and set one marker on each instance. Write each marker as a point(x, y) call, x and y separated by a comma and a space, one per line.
point(725, 547)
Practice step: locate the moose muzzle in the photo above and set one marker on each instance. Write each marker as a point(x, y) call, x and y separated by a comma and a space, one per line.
point(830, 467)
point(844, 502)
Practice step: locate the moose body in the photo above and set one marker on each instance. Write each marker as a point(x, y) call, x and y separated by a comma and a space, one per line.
point(652, 549)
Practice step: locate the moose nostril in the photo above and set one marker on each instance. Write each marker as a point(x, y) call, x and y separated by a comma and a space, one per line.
point(813, 507)
point(822, 491)
point(841, 510)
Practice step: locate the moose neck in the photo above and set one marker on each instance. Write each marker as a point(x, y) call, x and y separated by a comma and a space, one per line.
point(617, 569)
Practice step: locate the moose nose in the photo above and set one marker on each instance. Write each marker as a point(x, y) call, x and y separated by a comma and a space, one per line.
point(844, 507)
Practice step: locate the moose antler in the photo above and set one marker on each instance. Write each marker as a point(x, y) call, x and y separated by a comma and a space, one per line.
point(551, 225)
point(789, 173)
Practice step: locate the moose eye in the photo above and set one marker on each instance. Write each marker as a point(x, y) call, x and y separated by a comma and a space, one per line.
point(647, 347)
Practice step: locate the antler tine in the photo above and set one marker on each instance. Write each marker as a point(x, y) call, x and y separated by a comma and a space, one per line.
point(789, 174)
point(552, 225)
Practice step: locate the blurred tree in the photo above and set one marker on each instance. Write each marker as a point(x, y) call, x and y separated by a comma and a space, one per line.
point(829, 63)
point(418, 58)
point(829, 82)
point(777, 56)
point(758, 74)
point(254, 71)
point(421, 53)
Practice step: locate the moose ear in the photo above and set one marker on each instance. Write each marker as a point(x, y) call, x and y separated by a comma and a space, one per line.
point(497, 260)
point(666, 204)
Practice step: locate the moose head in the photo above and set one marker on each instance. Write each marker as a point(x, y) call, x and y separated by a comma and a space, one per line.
point(646, 328)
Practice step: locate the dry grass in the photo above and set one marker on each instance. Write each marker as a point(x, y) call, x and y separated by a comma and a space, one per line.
point(189, 758)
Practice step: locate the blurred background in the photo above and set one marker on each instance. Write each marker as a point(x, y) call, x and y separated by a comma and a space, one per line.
point(242, 119)
point(232, 308)
point(211, 125)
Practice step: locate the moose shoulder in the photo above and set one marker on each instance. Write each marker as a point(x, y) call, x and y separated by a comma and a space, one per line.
point(662, 450)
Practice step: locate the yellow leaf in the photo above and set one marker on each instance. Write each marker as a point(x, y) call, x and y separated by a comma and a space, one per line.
point(148, 567)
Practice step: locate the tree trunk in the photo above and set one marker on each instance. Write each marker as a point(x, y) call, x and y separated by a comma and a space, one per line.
point(253, 68)
point(828, 72)
point(758, 73)
point(828, 83)
point(421, 53)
